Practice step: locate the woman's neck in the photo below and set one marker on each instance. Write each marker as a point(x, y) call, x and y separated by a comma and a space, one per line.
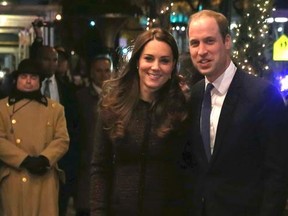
point(147, 96)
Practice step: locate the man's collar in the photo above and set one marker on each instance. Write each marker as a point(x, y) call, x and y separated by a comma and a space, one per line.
point(17, 95)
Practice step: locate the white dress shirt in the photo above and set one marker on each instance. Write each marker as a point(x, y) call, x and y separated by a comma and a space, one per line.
point(218, 94)
point(54, 94)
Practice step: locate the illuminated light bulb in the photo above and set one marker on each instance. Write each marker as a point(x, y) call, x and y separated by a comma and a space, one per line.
point(58, 17)
point(92, 23)
point(4, 3)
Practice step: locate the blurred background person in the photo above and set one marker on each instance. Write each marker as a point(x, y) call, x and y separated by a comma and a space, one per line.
point(63, 70)
point(31, 146)
point(79, 75)
point(101, 67)
point(188, 75)
point(61, 91)
point(56, 88)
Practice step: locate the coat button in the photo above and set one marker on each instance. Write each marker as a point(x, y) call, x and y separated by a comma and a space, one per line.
point(13, 121)
point(18, 141)
point(24, 179)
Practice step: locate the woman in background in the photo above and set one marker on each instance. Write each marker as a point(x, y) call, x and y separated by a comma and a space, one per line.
point(135, 168)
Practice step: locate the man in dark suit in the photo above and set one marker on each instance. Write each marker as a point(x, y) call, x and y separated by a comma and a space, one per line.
point(242, 169)
point(101, 67)
point(57, 89)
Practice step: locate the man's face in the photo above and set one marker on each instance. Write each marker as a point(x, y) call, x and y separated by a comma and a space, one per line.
point(209, 53)
point(100, 71)
point(28, 82)
point(49, 61)
point(63, 67)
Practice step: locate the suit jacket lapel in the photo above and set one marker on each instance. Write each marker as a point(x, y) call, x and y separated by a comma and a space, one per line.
point(196, 99)
point(227, 112)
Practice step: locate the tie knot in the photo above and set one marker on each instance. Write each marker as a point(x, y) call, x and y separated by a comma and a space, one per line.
point(209, 87)
point(48, 81)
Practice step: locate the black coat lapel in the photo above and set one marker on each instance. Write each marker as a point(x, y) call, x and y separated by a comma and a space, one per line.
point(227, 111)
point(197, 93)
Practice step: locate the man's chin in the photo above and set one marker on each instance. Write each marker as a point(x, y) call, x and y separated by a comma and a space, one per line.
point(28, 90)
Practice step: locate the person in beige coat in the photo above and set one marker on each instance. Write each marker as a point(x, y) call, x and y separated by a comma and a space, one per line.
point(33, 137)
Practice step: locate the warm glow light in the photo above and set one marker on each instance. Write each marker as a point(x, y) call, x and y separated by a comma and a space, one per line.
point(4, 3)
point(2, 20)
point(58, 17)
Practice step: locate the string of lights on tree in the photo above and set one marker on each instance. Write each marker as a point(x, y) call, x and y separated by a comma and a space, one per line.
point(151, 21)
point(252, 39)
point(175, 13)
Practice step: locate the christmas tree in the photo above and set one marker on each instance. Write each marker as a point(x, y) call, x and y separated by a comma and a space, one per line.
point(252, 43)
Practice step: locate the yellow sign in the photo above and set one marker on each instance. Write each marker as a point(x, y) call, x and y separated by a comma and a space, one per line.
point(280, 49)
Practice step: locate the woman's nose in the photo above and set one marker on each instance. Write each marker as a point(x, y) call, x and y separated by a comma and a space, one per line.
point(155, 65)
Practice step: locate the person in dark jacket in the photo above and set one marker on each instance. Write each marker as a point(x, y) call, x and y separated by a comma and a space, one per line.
point(58, 89)
point(242, 169)
point(135, 169)
point(101, 67)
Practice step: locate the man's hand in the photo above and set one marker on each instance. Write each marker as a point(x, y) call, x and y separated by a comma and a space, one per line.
point(37, 27)
point(36, 165)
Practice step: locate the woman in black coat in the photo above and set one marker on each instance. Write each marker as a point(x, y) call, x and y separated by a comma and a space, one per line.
point(135, 167)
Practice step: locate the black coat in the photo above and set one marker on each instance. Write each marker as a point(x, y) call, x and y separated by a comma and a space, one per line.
point(247, 174)
point(87, 99)
point(138, 174)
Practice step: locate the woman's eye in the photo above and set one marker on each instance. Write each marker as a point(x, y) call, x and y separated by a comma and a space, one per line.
point(148, 58)
point(165, 61)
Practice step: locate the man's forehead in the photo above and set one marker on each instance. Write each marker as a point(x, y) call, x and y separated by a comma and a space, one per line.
point(28, 74)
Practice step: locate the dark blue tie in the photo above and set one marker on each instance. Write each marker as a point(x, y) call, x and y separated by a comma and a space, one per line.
point(47, 88)
point(205, 120)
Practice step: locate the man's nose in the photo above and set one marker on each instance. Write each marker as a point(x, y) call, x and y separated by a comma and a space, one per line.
point(202, 50)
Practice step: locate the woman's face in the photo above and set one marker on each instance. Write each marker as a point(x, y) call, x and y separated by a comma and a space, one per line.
point(155, 66)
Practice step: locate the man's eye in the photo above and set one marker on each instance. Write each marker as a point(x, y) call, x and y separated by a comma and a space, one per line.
point(210, 41)
point(193, 43)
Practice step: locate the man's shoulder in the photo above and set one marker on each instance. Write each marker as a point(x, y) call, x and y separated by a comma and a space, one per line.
point(54, 104)
point(4, 101)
